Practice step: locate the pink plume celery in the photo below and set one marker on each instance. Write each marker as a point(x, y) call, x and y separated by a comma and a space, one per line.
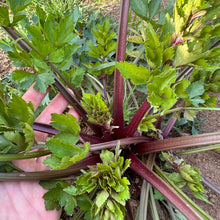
point(139, 145)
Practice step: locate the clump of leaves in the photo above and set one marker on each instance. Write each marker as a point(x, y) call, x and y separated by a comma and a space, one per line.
point(193, 127)
point(62, 145)
point(16, 120)
point(105, 179)
point(97, 109)
point(184, 175)
point(146, 124)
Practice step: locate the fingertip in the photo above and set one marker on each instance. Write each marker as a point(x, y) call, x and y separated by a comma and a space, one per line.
point(73, 112)
point(34, 96)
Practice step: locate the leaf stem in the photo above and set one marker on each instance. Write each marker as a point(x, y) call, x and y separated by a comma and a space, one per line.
point(177, 143)
point(132, 126)
point(118, 118)
point(21, 156)
point(198, 150)
point(51, 174)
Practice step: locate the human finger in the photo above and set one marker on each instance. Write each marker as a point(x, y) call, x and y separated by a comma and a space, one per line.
point(34, 96)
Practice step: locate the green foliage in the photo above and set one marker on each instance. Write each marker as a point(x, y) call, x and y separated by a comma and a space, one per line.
point(17, 9)
point(103, 183)
point(112, 188)
point(171, 44)
point(98, 111)
point(103, 48)
point(185, 175)
point(56, 198)
point(58, 8)
point(60, 41)
point(146, 9)
point(153, 48)
point(193, 127)
point(138, 75)
point(50, 40)
point(16, 119)
point(62, 145)
point(146, 124)
point(191, 17)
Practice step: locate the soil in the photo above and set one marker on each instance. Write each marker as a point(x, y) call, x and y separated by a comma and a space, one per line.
point(207, 162)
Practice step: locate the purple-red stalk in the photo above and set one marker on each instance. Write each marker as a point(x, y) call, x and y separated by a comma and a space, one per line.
point(132, 126)
point(169, 127)
point(178, 142)
point(139, 167)
point(118, 118)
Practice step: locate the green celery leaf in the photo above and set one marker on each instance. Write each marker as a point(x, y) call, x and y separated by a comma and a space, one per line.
point(6, 145)
point(81, 153)
point(201, 196)
point(75, 76)
point(24, 79)
point(106, 156)
point(195, 90)
point(135, 39)
point(67, 123)
point(168, 27)
point(138, 75)
point(161, 95)
point(168, 54)
point(154, 7)
point(35, 32)
point(49, 184)
point(56, 55)
point(63, 154)
point(51, 30)
point(18, 5)
point(45, 49)
point(29, 135)
point(3, 113)
point(182, 11)
point(43, 81)
point(19, 16)
point(60, 148)
point(38, 61)
point(16, 138)
point(180, 88)
point(189, 115)
point(52, 196)
point(66, 27)
point(20, 110)
point(184, 57)
point(69, 50)
point(177, 179)
point(158, 195)
point(153, 48)
point(4, 16)
point(101, 199)
point(216, 30)
point(21, 59)
point(41, 14)
point(145, 9)
point(84, 202)
point(50, 205)
point(140, 8)
point(67, 137)
point(98, 111)
point(68, 202)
